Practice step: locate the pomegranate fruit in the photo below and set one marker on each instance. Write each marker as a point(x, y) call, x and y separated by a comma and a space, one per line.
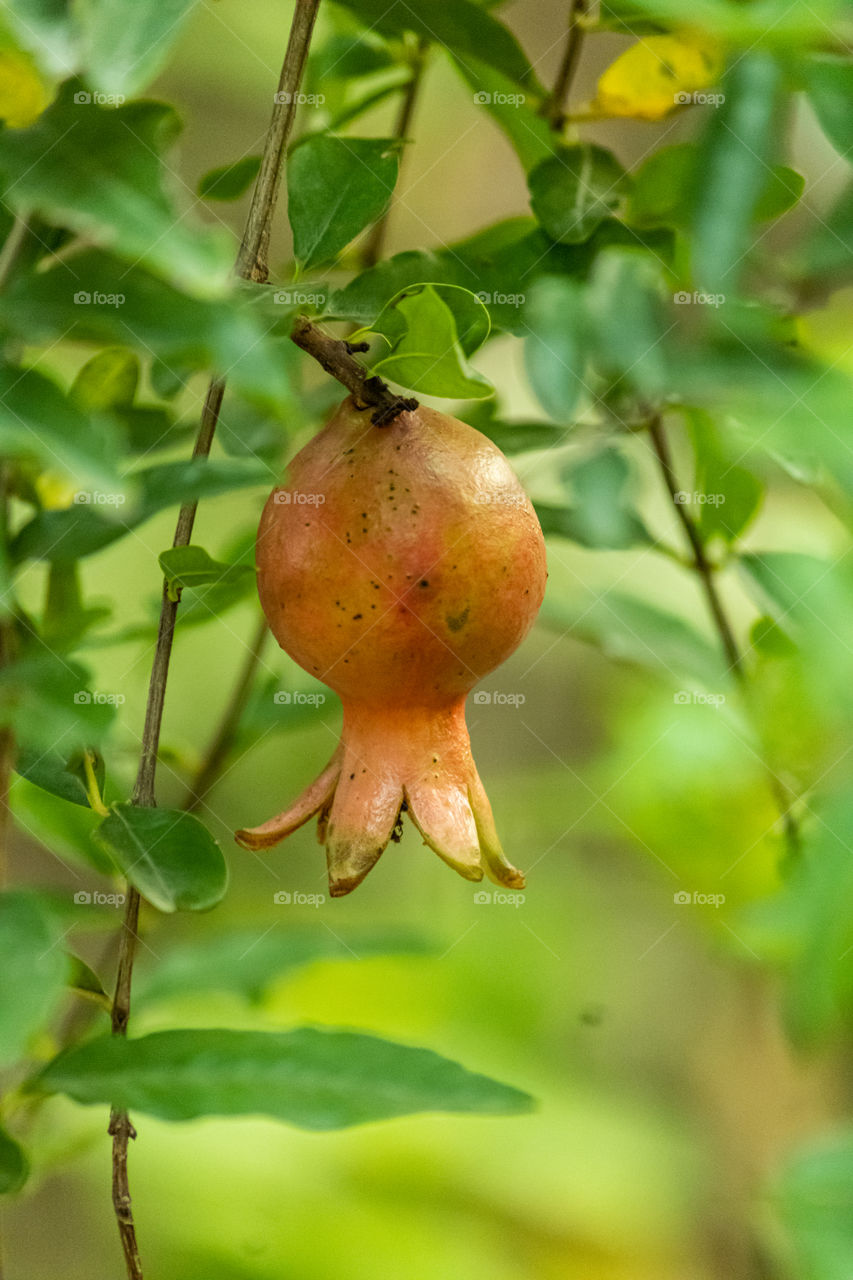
point(399, 565)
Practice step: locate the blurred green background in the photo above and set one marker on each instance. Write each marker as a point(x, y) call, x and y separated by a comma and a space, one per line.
point(669, 1096)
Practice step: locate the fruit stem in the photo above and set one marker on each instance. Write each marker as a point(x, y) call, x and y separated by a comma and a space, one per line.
point(335, 357)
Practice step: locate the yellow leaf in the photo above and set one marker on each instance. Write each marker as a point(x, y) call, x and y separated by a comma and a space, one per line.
point(659, 74)
point(23, 94)
point(55, 491)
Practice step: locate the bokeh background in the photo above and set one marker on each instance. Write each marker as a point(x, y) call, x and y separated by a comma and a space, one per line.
point(669, 1097)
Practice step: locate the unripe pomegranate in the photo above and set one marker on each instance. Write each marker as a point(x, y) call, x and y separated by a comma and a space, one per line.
point(399, 565)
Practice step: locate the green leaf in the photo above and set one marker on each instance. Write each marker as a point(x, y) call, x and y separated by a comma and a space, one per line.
point(125, 46)
point(65, 829)
point(575, 190)
point(516, 436)
point(336, 187)
point(470, 315)
point(783, 187)
point(732, 495)
point(313, 1079)
point(229, 181)
point(97, 170)
point(61, 775)
point(46, 699)
point(83, 980)
point(664, 189)
point(813, 1197)
point(38, 421)
point(627, 629)
point(168, 855)
point(81, 530)
point(107, 381)
point(227, 335)
point(734, 158)
point(624, 301)
point(428, 357)
point(556, 350)
point(192, 567)
point(464, 28)
point(33, 968)
point(602, 516)
point(44, 27)
point(14, 1166)
point(829, 82)
point(250, 961)
point(514, 112)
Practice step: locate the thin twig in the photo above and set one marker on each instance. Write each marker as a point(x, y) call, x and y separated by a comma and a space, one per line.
point(7, 641)
point(782, 794)
point(335, 355)
point(556, 104)
point(12, 248)
point(251, 264)
point(217, 752)
point(375, 243)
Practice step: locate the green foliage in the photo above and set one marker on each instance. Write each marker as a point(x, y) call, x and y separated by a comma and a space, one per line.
point(814, 1198)
point(427, 349)
point(194, 567)
point(229, 181)
point(33, 972)
point(14, 1166)
point(167, 855)
point(572, 192)
point(313, 1079)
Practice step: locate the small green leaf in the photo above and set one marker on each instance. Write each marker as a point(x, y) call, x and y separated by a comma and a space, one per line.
point(168, 855)
point(33, 968)
point(336, 187)
point(14, 1166)
point(125, 46)
point(229, 181)
point(514, 111)
point(624, 300)
point(107, 381)
point(59, 774)
point(193, 567)
point(310, 1078)
point(829, 82)
point(469, 315)
point(556, 349)
point(728, 496)
point(83, 980)
point(427, 356)
point(575, 190)
point(733, 163)
point(47, 700)
point(97, 170)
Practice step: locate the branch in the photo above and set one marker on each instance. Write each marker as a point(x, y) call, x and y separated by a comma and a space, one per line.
point(251, 264)
point(705, 571)
point(335, 355)
point(375, 242)
point(555, 107)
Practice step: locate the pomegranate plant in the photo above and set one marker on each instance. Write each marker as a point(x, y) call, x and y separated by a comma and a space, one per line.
point(413, 565)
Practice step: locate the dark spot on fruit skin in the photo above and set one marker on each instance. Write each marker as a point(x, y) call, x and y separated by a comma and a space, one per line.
point(356, 616)
point(352, 775)
point(423, 583)
point(457, 623)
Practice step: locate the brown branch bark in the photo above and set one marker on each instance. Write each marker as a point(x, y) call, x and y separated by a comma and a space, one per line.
point(556, 104)
point(251, 264)
point(706, 573)
point(335, 355)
